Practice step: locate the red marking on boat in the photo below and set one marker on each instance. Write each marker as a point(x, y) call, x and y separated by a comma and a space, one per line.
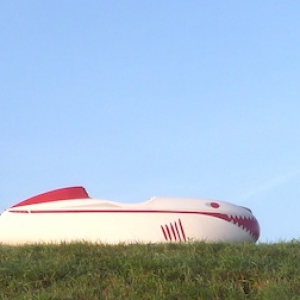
point(173, 231)
point(182, 230)
point(164, 233)
point(214, 204)
point(169, 233)
point(54, 211)
point(177, 230)
point(70, 193)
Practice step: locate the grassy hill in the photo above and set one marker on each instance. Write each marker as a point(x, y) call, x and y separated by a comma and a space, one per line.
point(164, 271)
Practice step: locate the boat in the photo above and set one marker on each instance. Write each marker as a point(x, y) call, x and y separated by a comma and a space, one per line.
point(70, 215)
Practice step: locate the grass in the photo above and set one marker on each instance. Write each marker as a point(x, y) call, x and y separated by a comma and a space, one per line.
point(163, 271)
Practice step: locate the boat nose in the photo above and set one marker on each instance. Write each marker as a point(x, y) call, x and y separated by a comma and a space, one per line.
point(255, 228)
point(252, 224)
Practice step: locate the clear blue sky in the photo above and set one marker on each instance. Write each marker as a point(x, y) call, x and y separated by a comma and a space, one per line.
point(133, 99)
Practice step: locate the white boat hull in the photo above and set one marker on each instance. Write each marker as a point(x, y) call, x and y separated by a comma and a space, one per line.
point(98, 221)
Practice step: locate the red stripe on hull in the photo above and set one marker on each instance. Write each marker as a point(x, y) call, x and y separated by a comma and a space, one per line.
point(164, 233)
point(68, 211)
point(182, 230)
point(177, 230)
point(173, 231)
point(169, 233)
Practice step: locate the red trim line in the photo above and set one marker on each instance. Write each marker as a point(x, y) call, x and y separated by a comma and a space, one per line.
point(52, 211)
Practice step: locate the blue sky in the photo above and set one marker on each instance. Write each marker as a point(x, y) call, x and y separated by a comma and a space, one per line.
point(133, 99)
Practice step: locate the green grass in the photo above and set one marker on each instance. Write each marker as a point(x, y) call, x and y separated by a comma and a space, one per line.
point(164, 271)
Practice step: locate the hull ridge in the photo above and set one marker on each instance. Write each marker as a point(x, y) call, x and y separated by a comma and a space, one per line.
point(69, 215)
